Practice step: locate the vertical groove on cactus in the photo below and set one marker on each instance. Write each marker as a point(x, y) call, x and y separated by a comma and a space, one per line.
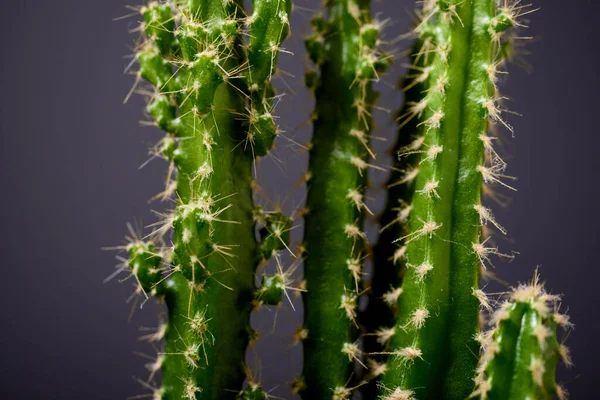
point(521, 351)
point(344, 48)
point(214, 99)
point(463, 316)
point(432, 343)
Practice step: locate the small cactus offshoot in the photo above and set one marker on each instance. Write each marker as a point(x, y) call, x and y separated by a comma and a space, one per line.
point(521, 350)
point(207, 67)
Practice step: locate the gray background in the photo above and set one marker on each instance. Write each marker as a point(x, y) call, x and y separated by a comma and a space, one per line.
point(71, 150)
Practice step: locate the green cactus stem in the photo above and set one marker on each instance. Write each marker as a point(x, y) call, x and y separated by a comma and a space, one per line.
point(521, 351)
point(344, 49)
point(431, 344)
point(389, 261)
point(213, 98)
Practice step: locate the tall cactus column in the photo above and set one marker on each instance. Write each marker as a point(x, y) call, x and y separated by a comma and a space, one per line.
point(343, 48)
point(432, 348)
point(213, 98)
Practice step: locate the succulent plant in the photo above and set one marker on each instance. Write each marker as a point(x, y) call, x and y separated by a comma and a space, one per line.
point(422, 334)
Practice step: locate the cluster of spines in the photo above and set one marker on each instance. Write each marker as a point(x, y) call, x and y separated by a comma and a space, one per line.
point(344, 47)
point(456, 65)
point(521, 350)
point(275, 238)
point(254, 391)
point(212, 96)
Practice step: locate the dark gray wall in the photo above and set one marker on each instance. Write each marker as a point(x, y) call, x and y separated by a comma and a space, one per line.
point(70, 154)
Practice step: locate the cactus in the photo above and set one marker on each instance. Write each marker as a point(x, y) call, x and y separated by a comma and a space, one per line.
point(521, 351)
point(344, 48)
point(213, 99)
point(389, 255)
point(443, 248)
point(422, 329)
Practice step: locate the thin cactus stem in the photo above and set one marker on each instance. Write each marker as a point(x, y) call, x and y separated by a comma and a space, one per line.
point(344, 49)
point(432, 346)
point(214, 99)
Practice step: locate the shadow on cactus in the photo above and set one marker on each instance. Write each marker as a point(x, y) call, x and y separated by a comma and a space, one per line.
point(428, 330)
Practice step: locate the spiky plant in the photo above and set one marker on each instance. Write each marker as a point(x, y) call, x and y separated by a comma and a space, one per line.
point(422, 330)
point(442, 240)
point(520, 351)
point(213, 98)
point(344, 47)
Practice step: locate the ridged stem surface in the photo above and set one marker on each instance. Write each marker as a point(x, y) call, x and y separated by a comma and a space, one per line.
point(389, 261)
point(214, 100)
point(343, 49)
point(521, 351)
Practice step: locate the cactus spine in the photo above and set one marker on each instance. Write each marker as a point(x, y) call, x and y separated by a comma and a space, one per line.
point(213, 99)
point(344, 49)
